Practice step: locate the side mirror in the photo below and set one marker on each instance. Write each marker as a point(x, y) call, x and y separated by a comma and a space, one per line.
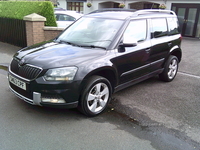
point(127, 42)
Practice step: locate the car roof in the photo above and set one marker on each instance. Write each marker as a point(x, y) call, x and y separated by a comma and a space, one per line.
point(118, 13)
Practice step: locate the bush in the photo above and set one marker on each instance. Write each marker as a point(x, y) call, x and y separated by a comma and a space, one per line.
point(19, 9)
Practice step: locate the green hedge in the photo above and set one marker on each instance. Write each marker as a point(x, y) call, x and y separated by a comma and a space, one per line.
point(19, 9)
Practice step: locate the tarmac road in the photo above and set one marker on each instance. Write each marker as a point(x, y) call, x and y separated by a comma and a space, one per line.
point(149, 115)
point(175, 105)
point(28, 127)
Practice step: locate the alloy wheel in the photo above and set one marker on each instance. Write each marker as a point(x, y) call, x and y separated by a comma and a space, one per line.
point(98, 97)
point(172, 69)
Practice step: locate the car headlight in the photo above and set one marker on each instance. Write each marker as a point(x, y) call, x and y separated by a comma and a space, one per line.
point(61, 74)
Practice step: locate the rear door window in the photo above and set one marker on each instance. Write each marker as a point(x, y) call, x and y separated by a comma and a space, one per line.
point(173, 26)
point(159, 27)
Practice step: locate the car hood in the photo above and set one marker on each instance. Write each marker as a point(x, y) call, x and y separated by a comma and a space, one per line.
point(51, 55)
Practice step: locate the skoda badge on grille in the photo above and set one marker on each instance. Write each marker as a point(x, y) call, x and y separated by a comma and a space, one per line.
point(21, 62)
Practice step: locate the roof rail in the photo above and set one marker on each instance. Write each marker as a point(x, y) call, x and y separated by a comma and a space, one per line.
point(112, 9)
point(143, 11)
point(135, 12)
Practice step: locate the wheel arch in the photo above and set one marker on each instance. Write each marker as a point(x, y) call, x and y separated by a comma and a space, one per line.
point(176, 51)
point(106, 72)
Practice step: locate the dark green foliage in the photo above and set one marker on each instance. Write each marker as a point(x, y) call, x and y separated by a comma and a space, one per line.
point(19, 9)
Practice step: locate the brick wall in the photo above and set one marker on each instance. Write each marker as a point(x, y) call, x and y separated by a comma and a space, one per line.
point(51, 32)
point(36, 32)
point(138, 6)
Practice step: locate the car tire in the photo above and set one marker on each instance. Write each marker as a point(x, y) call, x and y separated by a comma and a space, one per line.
point(170, 69)
point(96, 96)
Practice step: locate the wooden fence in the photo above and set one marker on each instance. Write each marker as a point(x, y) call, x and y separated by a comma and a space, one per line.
point(13, 31)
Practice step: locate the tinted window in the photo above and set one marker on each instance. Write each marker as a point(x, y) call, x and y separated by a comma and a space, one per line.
point(136, 30)
point(173, 26)
point(159, 27)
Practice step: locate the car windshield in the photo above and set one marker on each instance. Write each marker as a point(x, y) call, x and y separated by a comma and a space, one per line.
point(91, 32)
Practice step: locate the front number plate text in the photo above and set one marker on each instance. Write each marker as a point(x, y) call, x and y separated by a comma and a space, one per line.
point(17, 82)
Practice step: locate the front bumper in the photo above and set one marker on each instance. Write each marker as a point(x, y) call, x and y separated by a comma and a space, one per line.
point(26, 82)
point(37, 100)
point(42, 93)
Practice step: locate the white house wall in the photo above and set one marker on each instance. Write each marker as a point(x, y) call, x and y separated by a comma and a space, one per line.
point(104, 4)
point(62, 4)
point(95, 3)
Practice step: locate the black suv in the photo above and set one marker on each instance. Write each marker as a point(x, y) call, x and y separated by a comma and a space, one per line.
point(101, 53)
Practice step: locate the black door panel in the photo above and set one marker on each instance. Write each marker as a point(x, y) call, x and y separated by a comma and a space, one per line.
point(133, 63)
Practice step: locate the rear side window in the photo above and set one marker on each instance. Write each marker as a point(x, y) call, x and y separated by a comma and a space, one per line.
point(159, 27)
point(136, 30)
point(173, 26)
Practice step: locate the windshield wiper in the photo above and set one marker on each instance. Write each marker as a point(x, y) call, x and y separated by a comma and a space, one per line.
point(74, 44)
point(93, 46)
point(69, 43)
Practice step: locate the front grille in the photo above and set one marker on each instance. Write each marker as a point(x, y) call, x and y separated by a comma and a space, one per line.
point(26, 71)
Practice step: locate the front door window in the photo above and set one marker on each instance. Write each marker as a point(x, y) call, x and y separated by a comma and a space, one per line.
point(198, 27)
point(181, 17)
point(190, 22)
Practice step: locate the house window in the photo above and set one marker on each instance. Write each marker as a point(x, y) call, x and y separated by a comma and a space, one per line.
point(198, 28)
point(76, 6)
point(151, 6)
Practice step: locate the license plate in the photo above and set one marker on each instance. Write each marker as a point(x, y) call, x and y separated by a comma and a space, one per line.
point(17, 82)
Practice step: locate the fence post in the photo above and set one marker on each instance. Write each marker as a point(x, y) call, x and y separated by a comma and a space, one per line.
point(34, 28)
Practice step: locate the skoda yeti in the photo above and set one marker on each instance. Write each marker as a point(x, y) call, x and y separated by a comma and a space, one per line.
point(101, 53)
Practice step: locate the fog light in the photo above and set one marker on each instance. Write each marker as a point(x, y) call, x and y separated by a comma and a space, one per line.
point(53, 100)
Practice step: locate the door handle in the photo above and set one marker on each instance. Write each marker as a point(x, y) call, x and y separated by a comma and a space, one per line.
point(147, 50)
point(170, 44)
